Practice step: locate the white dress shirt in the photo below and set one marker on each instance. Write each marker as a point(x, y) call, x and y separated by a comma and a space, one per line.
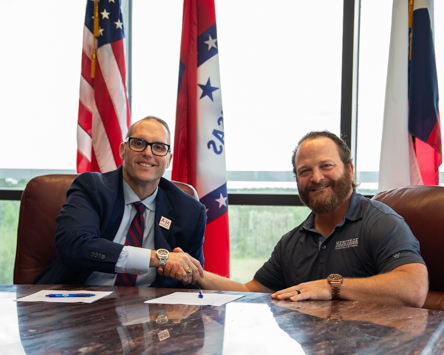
point(132, 260)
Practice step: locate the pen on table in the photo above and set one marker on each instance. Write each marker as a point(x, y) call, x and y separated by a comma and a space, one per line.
point(71, 295)
point(200, 294)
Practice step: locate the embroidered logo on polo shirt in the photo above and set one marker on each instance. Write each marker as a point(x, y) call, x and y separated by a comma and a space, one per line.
point(345, 244)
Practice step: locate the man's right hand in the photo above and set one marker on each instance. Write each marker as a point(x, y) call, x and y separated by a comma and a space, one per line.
point(177, 264)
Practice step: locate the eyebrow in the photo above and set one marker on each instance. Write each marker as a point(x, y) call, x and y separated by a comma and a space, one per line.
point(302, 167)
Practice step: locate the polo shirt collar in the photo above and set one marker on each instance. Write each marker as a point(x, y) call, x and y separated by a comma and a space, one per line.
point(354, 212)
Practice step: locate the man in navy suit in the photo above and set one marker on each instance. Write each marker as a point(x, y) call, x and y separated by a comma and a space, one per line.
point(92, 227)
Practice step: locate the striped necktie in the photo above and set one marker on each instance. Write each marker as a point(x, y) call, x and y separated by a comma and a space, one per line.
point(134, 238)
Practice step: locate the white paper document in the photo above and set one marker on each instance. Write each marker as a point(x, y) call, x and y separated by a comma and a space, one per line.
point(193, 299)
point(65, 296)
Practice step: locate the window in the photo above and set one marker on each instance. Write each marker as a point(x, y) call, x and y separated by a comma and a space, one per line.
point(376, 17)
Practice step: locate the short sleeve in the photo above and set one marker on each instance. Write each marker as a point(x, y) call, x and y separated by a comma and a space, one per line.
point(270, 274)
point(394, 244)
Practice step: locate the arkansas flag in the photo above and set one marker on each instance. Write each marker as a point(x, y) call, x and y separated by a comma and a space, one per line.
point(104, 115)
point(411, 150)
point(199, 143)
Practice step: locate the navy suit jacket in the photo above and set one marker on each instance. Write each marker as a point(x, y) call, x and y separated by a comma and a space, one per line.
point(91, 216)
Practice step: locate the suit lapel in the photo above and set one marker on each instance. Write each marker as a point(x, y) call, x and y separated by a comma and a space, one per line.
point(162, 235)
point(114, 182)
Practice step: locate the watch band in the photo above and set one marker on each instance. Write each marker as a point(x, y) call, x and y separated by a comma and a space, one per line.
point(335, 281)
point(162, 262)
point(162, 255)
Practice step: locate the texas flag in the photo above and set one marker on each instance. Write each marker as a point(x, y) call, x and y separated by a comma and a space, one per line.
point(199, 143)
point(411, 150)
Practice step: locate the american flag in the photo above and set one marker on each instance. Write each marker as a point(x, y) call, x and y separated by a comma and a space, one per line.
point(411, 141)
point(199, 144)
point(104, 115)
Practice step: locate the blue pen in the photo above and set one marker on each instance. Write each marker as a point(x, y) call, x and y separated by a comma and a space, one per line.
point(200, 294)
point(71, 295)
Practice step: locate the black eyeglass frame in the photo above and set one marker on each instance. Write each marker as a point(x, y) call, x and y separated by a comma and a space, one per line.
point(128, 140)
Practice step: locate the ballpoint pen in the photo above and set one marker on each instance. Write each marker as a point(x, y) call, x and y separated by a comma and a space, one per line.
point(200, 294)
point(71, 295)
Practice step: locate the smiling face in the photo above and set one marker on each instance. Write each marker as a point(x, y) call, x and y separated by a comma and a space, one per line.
point(324, 182)
point(143, 170)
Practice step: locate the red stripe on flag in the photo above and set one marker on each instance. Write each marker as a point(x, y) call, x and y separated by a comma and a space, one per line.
point(427, 157)
point(94, 163)
point(105, 107)
point(85, 119)
point(207, 15)
point(82, 163)
point(86, 69)
point(217, 250)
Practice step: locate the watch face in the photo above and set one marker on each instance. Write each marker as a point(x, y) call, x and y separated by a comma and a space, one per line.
point(162, 252)
point(335, 277)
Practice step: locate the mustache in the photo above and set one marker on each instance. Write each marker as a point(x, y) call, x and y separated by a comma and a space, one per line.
point(318, 186)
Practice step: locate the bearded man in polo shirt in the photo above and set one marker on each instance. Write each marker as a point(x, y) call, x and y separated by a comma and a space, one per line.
point(349, 247)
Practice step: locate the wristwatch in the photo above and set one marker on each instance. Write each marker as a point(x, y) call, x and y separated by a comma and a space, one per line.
point(335, 281)
point(162, 255)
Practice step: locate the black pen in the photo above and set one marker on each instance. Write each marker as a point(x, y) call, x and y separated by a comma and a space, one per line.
point(200, 294)
point(71, 295)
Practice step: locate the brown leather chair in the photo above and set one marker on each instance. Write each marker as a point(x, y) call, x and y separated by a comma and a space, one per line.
point(41, 202)
point(422, 207)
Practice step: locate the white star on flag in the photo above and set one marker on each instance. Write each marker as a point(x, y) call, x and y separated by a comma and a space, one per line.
point(119, 24)
point(222, 201)
point(105, 14)
point(211, 42)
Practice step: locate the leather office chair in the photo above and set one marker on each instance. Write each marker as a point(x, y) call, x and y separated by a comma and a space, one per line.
point(41, 202)
point(422, 207)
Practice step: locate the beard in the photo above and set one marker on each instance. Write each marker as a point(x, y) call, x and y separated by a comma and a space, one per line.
point(321, 204)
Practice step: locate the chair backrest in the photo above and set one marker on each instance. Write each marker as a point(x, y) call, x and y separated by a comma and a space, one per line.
point(41, 202)
point(423, 209)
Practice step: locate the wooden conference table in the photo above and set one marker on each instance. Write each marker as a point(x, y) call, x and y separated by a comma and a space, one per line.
point(122, 324)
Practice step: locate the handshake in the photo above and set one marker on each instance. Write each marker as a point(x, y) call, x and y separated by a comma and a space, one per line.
point(179, 265)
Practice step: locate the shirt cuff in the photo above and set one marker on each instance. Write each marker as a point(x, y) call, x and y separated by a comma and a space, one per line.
point(133, 260)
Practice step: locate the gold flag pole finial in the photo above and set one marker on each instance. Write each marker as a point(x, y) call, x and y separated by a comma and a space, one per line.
point(96, 34)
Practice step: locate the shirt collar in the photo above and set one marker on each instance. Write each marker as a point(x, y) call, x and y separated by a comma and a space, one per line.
point(131, 197)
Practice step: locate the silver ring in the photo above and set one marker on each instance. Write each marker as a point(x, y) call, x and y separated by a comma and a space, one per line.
point(189, 270)
point(299, 292)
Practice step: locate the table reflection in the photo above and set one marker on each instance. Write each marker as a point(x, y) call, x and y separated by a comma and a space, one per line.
point(143, 326)
point(350, 326)
point(252, 326)
point(124, 324)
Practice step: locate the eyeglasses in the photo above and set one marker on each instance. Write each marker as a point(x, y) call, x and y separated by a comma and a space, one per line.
point(139, 145)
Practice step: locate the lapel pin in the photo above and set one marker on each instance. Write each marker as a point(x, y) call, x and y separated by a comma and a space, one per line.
point(165, 223)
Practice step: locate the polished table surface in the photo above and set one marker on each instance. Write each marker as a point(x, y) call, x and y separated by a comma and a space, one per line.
point(123, 324)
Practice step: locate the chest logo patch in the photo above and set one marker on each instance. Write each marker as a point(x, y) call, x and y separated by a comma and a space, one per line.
point(165, 222)
point(345, 244)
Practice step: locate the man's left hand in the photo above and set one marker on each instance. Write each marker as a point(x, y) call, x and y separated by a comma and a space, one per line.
point(314, 290)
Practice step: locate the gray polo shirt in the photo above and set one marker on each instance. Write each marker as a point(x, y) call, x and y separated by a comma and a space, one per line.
point(372, 239)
